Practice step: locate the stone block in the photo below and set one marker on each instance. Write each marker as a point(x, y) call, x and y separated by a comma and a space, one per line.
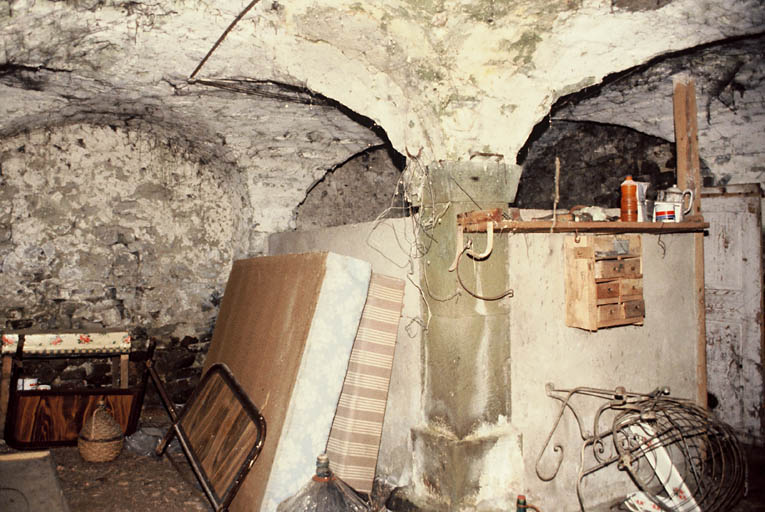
point(482, 471)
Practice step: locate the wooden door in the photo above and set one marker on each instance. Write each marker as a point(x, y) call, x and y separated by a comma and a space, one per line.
point(734, 300)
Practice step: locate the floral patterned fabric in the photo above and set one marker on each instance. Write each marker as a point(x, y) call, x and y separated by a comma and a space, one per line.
point(69, 343)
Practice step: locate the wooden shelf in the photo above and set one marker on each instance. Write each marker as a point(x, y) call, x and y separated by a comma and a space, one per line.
point(546, 226)
point(477, 221)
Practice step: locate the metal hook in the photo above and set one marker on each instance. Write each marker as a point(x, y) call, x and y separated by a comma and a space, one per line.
point(489, 244)
point(467, 247)
point(460, 247)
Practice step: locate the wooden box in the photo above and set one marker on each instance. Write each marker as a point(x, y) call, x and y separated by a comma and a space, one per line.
point(604, 281)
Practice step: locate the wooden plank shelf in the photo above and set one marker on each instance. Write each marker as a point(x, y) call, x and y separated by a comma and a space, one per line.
point(546, 226)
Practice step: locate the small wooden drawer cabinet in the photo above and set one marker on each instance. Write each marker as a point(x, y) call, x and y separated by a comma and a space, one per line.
point(604, 281)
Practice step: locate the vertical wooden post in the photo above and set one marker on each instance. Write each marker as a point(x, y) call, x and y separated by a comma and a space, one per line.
point(5, 387)
point(124, 358)
point(689, 176)
point(686, 140)
point(115, 371)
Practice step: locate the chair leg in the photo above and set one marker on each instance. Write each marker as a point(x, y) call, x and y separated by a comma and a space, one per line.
point(169, 407)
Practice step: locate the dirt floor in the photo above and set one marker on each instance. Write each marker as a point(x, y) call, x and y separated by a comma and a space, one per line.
point(130, 483)
point(137, 481)
point(145, 483)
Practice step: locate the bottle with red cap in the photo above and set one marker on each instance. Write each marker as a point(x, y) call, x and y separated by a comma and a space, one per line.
point(629, 204)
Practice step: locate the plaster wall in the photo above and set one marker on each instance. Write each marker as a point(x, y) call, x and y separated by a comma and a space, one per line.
point(386, 245)
point(542, 350)
point(441, 76)
point(662, 352)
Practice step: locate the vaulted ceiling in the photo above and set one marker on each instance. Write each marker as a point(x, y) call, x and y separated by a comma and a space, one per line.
point(284, 91)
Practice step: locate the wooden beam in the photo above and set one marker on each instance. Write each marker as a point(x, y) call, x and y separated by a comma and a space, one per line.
point(5, 387)
point(689, 176)
point(124, 371)
point(701, 362)
point(542, 226)
point(493, 215)
point(115, 371)
point(686, 139)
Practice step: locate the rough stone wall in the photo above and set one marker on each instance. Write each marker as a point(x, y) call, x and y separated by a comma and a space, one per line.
point(283, 139)
point(448, 79)
point(730, 95)
point(105, 227)
point(594, 160)
point(362, 189)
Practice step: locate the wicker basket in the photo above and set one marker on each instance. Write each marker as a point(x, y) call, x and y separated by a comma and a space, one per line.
point(101, 437)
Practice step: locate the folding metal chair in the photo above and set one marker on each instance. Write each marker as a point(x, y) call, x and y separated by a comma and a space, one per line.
point(220, 430)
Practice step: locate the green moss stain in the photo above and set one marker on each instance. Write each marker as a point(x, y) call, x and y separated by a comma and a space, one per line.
point(454, 101)
point(426, 72)
point(426, 7)
point(488, 11)
point(508, 108)
point(358, 7)
point(523, 47)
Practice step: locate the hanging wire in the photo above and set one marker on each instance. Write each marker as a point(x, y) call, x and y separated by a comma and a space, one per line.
point(557, 194)
point(222, 37)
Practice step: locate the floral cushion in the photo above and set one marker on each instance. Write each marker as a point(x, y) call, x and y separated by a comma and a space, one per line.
point(69, 343)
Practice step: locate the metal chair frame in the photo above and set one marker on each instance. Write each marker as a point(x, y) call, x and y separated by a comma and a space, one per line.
point(219, 501)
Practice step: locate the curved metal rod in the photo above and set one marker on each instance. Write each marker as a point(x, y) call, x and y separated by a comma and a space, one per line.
point(597, 438)
point(711, 465)
point(584, 472)
point(557, 448)
point(507, 293)
point(460, 244)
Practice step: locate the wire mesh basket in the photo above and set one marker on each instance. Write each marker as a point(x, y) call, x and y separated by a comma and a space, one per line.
point(679, 456)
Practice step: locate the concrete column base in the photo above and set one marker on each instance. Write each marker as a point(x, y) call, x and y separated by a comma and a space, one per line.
point(483, 471)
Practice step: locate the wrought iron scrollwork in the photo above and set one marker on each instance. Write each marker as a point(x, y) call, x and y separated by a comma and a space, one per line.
point(678, 455)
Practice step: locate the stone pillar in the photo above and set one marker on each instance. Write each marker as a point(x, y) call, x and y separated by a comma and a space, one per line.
point(466, 350)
